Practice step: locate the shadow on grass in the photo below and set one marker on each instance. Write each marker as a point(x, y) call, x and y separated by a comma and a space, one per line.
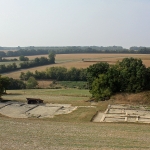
point(7, 100)
point(14, 94)
point(4, 101)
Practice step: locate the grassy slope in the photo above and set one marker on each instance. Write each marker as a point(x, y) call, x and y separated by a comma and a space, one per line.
point(72, 131)
point(48, 135)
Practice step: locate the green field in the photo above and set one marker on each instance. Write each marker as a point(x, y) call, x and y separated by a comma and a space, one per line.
point(69, 96)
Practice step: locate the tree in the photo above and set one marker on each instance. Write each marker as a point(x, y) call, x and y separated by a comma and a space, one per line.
point(16, 84)
point(14, 66)
point(26, 76)
point(5, 81)
point(73, 74)
point(129, 75)
point(52, 57)
point(133, 75)
point(43, 61)
point(3, 68)
point(1, 58)
point(23, 58)
point(31, 83)
point(95, 70)
point(1, 87)
point(100, 88)
point(40, 75)
point(56, 73)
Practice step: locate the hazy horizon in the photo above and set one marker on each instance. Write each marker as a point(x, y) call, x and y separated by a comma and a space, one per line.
point(75, 23)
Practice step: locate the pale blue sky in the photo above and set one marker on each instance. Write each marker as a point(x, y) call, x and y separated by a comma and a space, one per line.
point(75, 23)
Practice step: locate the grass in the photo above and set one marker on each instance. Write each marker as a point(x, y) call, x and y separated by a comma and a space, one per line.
point(72, 131)
point(27, 134)
point(68, 96)
point(73, 84)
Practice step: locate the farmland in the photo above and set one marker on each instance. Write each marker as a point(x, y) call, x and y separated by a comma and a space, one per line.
point(81, 61)
point(74, 131)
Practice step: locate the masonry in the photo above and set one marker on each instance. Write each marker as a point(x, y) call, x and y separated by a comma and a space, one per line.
point(124, 113)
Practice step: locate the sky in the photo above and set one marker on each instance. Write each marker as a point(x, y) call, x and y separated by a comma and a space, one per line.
point(75, 23)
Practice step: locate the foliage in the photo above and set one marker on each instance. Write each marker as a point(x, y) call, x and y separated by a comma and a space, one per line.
point(27, 64)
point(28, 51)
point(16, 84)
point(133, 75)
point(93, 71)
point(1, 87)
point(73, 84)
point(52, 57)
point(4, 83)
point(10, 83)
point(23, 58)
point(129, 75)
point(57, 73)
point(100, 87)
point(8, 68)
point(31, 83)
point(38, 61)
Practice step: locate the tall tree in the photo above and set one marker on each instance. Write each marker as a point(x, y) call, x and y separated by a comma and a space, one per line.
point(95, 70)
point(100, 87)
point(31, 83)
point(1, 87)
point(129, 75)
point(5, 83)
point(133, 75)
point(52, 57)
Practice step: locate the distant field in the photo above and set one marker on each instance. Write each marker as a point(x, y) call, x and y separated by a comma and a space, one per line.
point(81, 61)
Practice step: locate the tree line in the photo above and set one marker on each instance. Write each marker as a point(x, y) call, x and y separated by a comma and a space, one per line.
point(10, 83)
point(58, 74)
point(28, 64)
point(7, 83)
point(74, 49)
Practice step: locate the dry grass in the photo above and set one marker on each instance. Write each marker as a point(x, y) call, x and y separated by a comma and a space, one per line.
point(75, 60)
point(142, 98)
point(35, 134)
point(44, 83)
point(72, 131)
point(76, 97)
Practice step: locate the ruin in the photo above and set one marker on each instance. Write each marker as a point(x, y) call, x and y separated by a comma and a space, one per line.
point(124, 113)
point(23, 110)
